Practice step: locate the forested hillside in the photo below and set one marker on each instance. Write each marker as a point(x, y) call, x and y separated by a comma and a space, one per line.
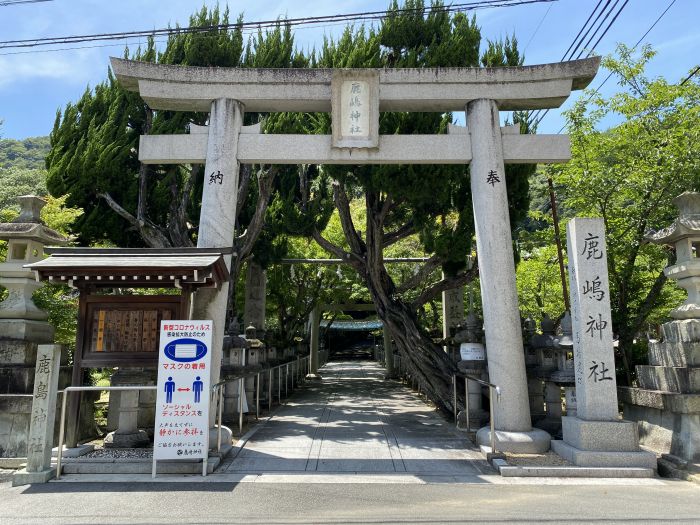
point(27, 154)
point(22, 168)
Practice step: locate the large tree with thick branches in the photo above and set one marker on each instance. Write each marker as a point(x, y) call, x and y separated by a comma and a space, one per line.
point(431, 203)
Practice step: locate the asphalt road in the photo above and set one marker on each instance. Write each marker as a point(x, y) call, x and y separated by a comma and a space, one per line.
point(290, 503)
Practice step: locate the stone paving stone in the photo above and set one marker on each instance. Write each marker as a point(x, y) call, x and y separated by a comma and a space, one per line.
point(354, 421)
point(277, 453)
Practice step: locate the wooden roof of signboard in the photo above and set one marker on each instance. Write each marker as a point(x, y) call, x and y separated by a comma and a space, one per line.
point(134, 267)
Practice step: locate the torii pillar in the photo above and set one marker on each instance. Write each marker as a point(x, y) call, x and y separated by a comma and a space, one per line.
point(494, 248)
point(218, 216)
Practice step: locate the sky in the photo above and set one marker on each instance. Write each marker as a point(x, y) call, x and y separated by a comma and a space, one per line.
point(34, 85)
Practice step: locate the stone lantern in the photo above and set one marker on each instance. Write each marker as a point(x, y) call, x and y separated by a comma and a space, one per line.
point(22, 325)
point(667, 403)
point(564, 376)
point(472, 361)
point(26, 236)
point(684, 234)
point(550, 359)
point(253, 356)
point(234, 349)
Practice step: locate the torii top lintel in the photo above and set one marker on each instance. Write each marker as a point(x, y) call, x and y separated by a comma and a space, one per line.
point(187, 88)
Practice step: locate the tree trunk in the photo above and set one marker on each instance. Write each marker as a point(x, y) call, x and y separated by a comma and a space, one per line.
point(424, 359)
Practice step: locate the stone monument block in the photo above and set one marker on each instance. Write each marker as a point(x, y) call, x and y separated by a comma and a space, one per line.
point(43, 418)
point(604, 436)
point(596, 437)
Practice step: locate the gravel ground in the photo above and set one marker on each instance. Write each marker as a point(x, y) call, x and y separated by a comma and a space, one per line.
point(548, 459)
point(131, 453)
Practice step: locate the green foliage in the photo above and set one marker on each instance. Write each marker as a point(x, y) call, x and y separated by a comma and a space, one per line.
point(22, 169)
point(58, 215)
point(62, 306)
point(627, 174)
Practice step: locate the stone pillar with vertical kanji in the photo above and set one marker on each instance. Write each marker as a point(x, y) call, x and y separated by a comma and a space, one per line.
point(43, 418)
point(597, 436)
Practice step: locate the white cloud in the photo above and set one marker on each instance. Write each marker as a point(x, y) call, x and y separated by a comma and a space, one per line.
point(71, 66)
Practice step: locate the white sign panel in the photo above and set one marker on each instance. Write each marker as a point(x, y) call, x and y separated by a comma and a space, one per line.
point(472, 352)
point(182, 403)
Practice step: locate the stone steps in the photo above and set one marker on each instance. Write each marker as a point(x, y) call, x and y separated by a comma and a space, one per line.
point(677, 379)
point(511, 471)
point(136, 466)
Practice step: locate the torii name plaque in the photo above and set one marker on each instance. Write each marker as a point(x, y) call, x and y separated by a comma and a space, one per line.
point(355, 108)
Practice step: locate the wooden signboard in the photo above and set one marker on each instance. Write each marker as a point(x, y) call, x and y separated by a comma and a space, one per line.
point(124, 330)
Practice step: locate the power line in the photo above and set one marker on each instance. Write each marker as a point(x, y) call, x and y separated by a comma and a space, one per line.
point(4, 3)
point(607, 28)
point(690, 76)
point(537, 28)
point(638, 42)
point(575, 46)
point(351, 17)
point(583, 27)
point(585, 46)
point(596, 90)
point(590, 52)
point(579, 44)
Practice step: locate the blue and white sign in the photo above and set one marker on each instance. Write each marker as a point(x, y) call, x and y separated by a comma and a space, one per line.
point(182, 403)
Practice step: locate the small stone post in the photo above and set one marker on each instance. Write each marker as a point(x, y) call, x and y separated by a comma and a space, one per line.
point(218, 215)
point(254, 309)
point(452, 310)
point(597, 437)
point(43, 418)
point(388, 354)
point(127, 433)
point(506, 359)
point(315, 332)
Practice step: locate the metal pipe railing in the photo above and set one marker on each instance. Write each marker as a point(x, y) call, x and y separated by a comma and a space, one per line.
point(241, 378)
point(62, 422)
point(494, 392)
point(216, 393)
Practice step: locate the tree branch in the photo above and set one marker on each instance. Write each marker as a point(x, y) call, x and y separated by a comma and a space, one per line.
point(143, 173)
point(401, 233)
point(329, 246)
point(246, 241)
point(178, 228)
point(386, 206)
point(446, 284)
point(245, 175)
point(343, 204)
point(151, 234)
point(423, 272)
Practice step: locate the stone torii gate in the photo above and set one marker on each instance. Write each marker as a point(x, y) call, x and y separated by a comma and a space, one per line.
point(355, 97)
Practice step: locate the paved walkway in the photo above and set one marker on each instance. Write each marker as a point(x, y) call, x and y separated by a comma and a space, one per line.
point(356, 422)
